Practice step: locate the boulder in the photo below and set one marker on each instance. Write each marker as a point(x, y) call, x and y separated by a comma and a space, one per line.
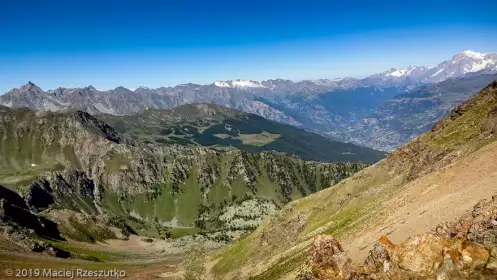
point(422, 254)
point(328, 260)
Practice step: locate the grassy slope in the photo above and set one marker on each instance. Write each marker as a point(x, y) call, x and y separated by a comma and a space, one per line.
point(274, 248)
point(177, 181)
point(28, 153)
point(225, 127)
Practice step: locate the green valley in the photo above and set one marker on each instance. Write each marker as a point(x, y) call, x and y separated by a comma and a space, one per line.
point(221, 128)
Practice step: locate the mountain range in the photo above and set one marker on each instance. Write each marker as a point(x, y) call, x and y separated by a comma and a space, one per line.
point(335, 108)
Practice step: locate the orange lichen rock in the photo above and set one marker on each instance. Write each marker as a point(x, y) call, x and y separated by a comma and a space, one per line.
point(386, 242)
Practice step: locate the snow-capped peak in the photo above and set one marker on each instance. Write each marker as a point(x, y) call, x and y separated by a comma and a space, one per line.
point(396, 72)
point(405, 72)
point(239, 83)
point(221, 84)
point(246, 83)
point(472, 54)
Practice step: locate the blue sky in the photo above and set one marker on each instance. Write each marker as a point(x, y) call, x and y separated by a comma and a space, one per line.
point(108, 43)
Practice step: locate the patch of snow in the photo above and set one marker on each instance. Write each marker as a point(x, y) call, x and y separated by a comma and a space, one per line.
point(404, 72)
point(477, 66)
point(244, 83)
point(221, 84)
point(239, 83)
point(473, 54)
point(438, 72)
point(397, 73)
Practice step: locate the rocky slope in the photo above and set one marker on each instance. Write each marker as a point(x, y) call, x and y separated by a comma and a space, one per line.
point(463, 249)
point(433, 179)
point(329, 106)
point(222, 128)
point(78, 164)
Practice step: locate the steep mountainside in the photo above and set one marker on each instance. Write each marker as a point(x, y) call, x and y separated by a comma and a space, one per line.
point(75, 163)
point(410, 114)
point(433, 179)
point(221, 128)
point(330, 106)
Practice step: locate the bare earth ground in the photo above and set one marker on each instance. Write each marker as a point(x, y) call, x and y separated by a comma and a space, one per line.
point(430, 200)
point(153, 270)
point(159, 259)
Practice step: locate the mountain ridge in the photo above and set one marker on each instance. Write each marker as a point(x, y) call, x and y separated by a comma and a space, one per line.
point(489, 62)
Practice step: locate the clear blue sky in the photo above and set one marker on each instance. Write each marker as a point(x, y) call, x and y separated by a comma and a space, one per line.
point(108, 43)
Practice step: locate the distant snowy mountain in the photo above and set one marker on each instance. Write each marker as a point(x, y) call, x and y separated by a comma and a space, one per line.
point(411, 71)
point(326, 105)
point(459, 65)
point(239, 84)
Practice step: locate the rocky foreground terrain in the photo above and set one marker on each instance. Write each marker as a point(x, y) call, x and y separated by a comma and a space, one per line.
point(462, 249)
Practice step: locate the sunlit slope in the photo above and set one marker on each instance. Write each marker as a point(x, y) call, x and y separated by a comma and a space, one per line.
point(447, 170)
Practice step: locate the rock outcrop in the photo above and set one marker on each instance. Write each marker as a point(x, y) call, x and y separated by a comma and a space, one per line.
point(462, 249)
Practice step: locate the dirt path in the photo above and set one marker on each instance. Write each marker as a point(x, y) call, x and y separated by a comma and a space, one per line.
point(430, 200)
